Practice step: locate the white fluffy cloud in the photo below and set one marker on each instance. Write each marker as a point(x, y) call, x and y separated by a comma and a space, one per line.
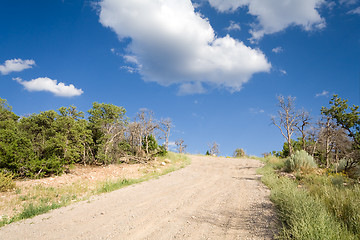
point(276, 15)
point(172, 44)
point(15, 65)
point(49, 85)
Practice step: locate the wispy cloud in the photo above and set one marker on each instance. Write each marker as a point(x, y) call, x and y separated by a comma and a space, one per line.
point(355, 11)
point(282, 71)
point(16, 65)
point(348, 2)
point(233, 26)
point(256, 110)
point(191, 88)
point(277, 50)
point(48, 85)
point(324, 93)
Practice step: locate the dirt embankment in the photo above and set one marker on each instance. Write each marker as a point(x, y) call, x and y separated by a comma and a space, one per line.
point(213, 198)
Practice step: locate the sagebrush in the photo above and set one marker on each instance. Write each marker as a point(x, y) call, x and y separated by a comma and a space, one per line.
point(300, 160)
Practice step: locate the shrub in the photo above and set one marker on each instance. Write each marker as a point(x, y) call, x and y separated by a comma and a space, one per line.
point(6, 181)
point(152, 143)
point(239, 152)
point(161, 151)
point(300, 160)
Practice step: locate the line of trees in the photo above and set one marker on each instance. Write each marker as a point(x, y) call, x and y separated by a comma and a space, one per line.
point(47, 143)
point(332, 140)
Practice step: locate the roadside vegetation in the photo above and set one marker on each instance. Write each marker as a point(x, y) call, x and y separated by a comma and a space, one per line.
point(48, 143)
point(29, 201)
point(315, 179)
point(313, 203)
point(51, 143)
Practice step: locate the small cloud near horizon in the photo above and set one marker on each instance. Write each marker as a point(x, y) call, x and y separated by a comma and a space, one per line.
point(324, 93)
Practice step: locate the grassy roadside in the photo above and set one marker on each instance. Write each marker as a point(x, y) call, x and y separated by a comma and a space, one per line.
point(314, 205)
point(41, 199)
point(177, 161)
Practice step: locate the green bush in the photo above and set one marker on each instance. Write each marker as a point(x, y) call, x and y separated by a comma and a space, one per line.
point(6, 181)
point(152, 143)
point(161, 151)
point(300, 160)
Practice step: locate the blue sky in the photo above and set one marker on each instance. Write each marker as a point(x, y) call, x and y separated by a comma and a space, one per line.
point(214, 67)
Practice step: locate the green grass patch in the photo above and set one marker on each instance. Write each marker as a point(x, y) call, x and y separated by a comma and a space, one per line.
point(32, 210)
point(109, 186)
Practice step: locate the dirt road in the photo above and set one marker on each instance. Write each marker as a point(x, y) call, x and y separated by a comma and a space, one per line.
point(213, 198)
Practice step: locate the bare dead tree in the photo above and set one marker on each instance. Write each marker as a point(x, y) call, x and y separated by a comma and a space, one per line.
point(303, 123)
point(180, 145)
point(147, 126)
point(334, 142)
point(214, 149)
point(313, 133)
point(134, 137)
point(325, 137)
point(165, 126)
point(287, 119)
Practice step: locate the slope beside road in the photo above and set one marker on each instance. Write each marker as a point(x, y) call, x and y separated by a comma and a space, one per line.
point(213, 198)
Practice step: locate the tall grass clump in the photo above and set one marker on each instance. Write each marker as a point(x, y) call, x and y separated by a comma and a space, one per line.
point(275, 162)
point(300, 160)
point(343, 201)
point(6, 181)
point(302, 215)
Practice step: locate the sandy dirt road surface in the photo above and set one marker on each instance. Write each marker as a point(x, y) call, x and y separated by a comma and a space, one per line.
point(213, 198)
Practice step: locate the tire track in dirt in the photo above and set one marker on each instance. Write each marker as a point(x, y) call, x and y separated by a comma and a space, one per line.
point(213, 198)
